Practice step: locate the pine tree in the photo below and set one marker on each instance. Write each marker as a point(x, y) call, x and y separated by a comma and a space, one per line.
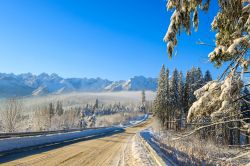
point(181, 98)
point(232, 25)
point(51, 113)
point(59, 108)
point(192, 97)
point(181, 89)
point(167, 84)
point(143, 102)
point(143, 97)
point(187, 92)
point(167, 99)
point(196, 82)
point(174, 95)
point(159, 102)
point(83, 123)
point(208, 76)
point(96, 105)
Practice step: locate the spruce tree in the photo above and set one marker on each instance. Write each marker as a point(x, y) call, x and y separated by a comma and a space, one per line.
point(143, 97)
point(174, 95)
point(187, 89)
point(207, 76)
point(231, 24)
point(59, 108)
point(143, 102)
point(51, 113)
point(181, 98)
point(96, 105)
point(160, 104)
point(196, 82)
point(83, 123)
point(167, 99)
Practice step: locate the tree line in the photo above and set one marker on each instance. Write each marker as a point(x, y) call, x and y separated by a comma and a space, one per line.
point(175, 95)
point(56, 115)
point(176, 102)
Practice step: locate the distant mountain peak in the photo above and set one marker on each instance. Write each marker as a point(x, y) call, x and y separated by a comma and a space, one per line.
point(28, 84)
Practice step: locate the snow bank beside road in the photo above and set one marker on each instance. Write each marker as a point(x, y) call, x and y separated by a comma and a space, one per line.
point(18, 143)
point(33, 141)
point(136, 153)
point(154, 149)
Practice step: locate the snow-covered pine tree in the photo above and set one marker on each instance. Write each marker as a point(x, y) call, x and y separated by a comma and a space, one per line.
point(83, 123)
point(92, 121)
point(143, 98)
point(181, 98)
point(232, 24)
point(207, 77)
point(187, 92)
point(160, 104)
point(198, 81)
point(51, 113)
point(174, 95)
point(195, 82)
point(167, 83)
point(167, 99)
point(143, 102)
point(193, 86)
point(59, 108)
point(96, 105)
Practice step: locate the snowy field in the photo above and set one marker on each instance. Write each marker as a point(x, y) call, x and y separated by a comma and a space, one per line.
point(34, 114)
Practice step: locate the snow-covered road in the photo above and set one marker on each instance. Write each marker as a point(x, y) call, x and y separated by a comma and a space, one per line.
point(118, 149)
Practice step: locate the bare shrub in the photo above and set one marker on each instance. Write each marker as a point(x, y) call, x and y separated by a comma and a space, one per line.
point(11, 114)
point(70, 119)
point(41, 119)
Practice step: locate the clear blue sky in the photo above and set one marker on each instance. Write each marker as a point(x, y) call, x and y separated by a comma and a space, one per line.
point(114, 39)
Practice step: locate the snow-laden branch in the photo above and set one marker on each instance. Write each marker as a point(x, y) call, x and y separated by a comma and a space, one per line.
point(210, 125)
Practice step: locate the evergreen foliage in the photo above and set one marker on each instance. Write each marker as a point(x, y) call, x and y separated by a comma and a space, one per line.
point(207, 76)
point(232, 25)
point(175, 96)
point(160, 101)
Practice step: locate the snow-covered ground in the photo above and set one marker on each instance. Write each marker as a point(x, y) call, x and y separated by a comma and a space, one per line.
point(17, 143)
point(148, 137)
point(135, 121)
point(137, 154)
point(23, 142)
point(190, 151)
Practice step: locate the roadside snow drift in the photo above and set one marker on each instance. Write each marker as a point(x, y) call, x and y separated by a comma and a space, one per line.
point(18, 143)
point(32, 141)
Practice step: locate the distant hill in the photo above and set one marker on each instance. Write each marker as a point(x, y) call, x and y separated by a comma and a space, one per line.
point(43, 84)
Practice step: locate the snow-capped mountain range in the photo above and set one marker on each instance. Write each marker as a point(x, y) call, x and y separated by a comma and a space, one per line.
point(43, 84)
